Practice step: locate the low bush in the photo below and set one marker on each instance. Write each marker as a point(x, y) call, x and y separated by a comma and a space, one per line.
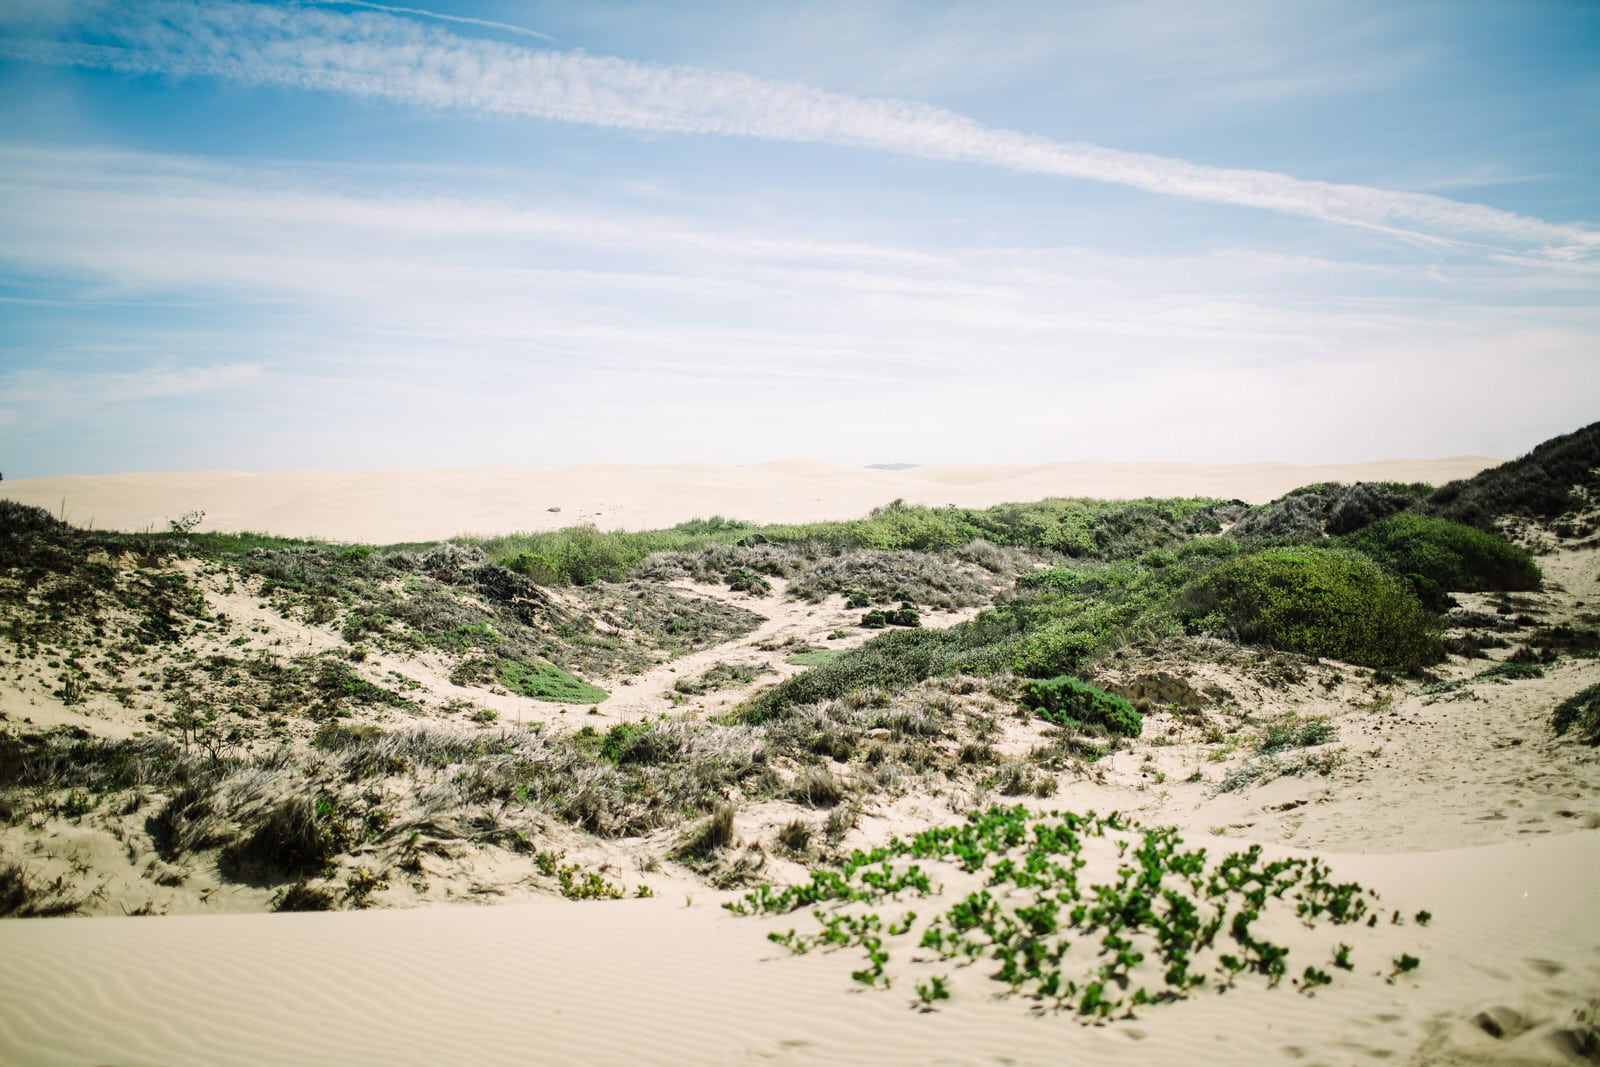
point(1296, 733)
point(1081, 913)
point(1067, 701)
point(1579, 715)
point(1447, 555)
point(1319, 601)
point(745, 581)
point(904, 615)
point(876, 577)
point(722, 675)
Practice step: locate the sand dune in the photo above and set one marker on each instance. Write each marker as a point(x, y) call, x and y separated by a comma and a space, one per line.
point(397, 505)
point(656, 981)
point(1458, 802)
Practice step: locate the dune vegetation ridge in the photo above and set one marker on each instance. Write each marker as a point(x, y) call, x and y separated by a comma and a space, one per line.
point(1142, 768)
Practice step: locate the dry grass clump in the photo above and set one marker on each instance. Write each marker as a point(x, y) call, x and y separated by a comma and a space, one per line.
point(1019, 778)
point(714, 834)
point(794, 837)
point(1003, 560)
point(301, 896)
point(23, 897)
point(816, 787)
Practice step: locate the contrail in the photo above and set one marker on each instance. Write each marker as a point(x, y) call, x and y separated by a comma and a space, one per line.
point(438, 15)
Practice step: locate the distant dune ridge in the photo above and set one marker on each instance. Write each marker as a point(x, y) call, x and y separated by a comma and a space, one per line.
point(392, 506)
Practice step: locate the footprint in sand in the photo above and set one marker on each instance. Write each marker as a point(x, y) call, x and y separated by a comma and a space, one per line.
point(1500, 1021)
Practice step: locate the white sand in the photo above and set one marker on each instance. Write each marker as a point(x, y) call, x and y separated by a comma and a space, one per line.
point(654, 981)
point(385, 507)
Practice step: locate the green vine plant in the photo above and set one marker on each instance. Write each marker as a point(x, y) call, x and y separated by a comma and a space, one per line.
point(1092, 915)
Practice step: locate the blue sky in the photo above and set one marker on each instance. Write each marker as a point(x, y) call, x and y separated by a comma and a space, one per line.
point(357, 235)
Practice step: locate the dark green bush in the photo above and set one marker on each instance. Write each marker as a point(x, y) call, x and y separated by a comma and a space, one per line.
point(1066, 701)
point(904, 615)
point(1319, 601)
point(1579, 714)
point(1446, 554)
point(1538, 485)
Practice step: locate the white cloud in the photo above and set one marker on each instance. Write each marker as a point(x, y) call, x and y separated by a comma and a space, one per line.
point(305, 303)
point(375, 55)
point(49, 396)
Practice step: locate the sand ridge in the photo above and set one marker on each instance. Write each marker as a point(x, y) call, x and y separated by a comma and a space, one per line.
point(393, 506)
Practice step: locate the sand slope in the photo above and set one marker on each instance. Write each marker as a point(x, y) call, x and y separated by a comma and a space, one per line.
point(386, 507)
point(656, 981)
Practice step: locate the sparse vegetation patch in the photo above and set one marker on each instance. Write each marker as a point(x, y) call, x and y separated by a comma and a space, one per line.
point(1088, 914)
point(542, 681)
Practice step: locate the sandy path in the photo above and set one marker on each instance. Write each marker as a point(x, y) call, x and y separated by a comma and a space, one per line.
point(646, 695)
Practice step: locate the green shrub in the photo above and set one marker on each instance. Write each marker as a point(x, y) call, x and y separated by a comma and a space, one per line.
point(1319, 601)
point(543, 681)
point(1296, 733)
point(1580, 714)
point(579, 555)
point(1446, 555)
point(868, 577)
point(621, 743)
point(1066, 701)
point(746, 581)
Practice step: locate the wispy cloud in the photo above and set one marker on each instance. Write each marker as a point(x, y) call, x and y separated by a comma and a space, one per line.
point(376, 55)
point(50, 395)
point(442, 17)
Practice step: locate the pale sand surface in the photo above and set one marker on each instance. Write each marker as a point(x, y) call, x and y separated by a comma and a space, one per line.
point(659, 982)
point(387, 507)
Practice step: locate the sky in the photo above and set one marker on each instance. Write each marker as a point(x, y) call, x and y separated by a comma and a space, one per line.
point(359, 235)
